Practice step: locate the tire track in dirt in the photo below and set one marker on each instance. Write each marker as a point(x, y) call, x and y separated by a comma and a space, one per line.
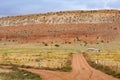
point(81, 70)
point(88, 67)
point(96, 74)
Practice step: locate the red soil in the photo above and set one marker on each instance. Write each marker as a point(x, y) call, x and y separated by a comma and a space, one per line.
point(88, 32)
point(80, 71)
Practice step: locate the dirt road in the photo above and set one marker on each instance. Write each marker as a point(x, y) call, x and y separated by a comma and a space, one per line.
point(80, 71)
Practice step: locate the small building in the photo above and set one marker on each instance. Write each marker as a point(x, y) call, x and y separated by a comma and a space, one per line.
point(93, 49)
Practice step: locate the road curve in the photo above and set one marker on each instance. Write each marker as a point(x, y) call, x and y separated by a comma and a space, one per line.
point(80, 71)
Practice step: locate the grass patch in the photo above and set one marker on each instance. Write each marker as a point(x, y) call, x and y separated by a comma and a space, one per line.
point(103, 68)
point(17, 74)
point(60, 61)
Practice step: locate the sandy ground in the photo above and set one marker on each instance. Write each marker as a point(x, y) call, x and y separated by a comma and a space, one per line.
point(80, 71)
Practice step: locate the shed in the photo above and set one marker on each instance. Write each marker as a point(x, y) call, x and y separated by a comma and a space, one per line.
point(93, 49)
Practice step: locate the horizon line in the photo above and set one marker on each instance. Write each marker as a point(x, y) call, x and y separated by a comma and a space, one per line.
point(59, 11)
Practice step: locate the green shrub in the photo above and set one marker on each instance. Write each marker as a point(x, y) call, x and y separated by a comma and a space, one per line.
point(46, 44)
point(57, 45)
point(19, 75)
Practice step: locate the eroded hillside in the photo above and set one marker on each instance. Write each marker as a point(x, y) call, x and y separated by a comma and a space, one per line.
point(65, 17)
point(64, 27)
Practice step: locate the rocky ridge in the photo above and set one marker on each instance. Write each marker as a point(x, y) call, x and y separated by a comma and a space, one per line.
point(63, 17)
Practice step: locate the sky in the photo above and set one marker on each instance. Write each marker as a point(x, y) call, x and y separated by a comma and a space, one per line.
point(22, 7)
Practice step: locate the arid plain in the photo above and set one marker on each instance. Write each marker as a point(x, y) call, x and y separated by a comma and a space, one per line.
point(65, 45)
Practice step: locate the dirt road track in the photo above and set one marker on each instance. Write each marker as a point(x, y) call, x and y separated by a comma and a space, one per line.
point(80, 71)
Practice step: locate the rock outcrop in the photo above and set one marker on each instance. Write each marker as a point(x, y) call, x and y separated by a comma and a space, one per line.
point(65, 17)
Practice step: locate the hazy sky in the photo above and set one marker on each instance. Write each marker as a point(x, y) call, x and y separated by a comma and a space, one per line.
point(20, 7)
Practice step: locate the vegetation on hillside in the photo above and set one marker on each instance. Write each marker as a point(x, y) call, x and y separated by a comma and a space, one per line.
point(62, 17)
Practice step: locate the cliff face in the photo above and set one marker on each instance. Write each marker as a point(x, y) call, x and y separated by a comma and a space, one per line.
point(65, 27)
point(66, 17)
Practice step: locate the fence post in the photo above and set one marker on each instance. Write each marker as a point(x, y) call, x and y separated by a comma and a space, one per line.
point(117, 66)
point(103, 64)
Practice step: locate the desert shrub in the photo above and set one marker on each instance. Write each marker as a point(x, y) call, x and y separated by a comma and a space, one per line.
point(19, 75)
point(69, 42)
point(37, 60)
point(102, 41)
point(13, 40)
point(57, 45)
point(65, 42)
point(46, 44)
point(97, 42)
point(97, 37)
point(86, 35)
point(85, 43)
point(115, 28)
point(77, 38)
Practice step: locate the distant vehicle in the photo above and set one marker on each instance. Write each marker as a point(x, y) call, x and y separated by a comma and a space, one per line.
point(93, 49)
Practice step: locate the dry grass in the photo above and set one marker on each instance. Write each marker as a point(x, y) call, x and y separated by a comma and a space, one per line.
point(38, 55)
point(35, 56)
point(107, 62)
point(16, 74)
point(5, 70)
